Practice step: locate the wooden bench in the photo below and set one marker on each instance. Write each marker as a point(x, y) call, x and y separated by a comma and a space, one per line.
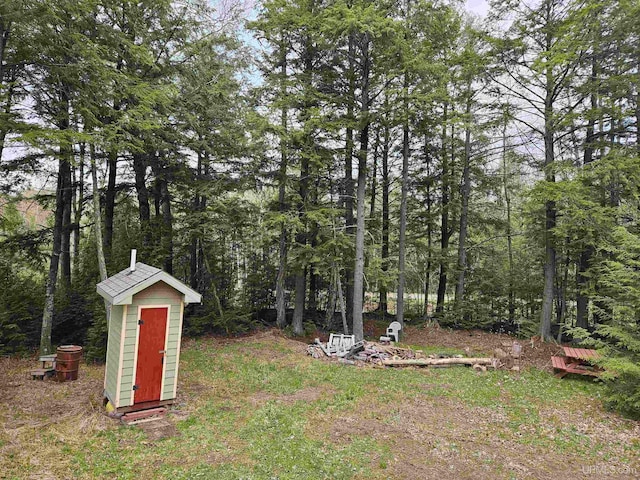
point(40, 373)
point(581, 354)
point(48, 361)
point(48, 368)
point(563, 368)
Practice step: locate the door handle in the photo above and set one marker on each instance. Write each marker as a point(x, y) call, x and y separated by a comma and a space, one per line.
point(162, 352)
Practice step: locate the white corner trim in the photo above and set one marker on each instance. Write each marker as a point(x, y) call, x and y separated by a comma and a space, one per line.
point(135, 355)
point(123, 331)
point(175, 378)
point(166, 346)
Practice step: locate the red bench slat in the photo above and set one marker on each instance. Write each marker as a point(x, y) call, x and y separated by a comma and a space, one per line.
point(581, 353)
point(558, 363)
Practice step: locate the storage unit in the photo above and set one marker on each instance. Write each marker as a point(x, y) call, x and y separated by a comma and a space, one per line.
point(145, 330)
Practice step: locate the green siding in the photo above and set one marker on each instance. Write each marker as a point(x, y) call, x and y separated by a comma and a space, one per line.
point(113, 351)
point(128, 353)
point(158, 294)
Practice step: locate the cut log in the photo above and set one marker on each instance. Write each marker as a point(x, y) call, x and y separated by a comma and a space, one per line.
point(425, 362)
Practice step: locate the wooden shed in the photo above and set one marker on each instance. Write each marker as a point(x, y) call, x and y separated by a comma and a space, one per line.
point(145, 331)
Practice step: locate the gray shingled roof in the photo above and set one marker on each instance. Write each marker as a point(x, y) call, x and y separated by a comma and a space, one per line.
point(126, 279)
point(119, 288)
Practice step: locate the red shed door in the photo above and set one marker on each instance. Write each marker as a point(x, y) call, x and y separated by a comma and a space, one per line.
point(153, 327)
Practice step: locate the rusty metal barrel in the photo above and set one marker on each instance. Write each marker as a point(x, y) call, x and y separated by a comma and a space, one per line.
point(68, 362)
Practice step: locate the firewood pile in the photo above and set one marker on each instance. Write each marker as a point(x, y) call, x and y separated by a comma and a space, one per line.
point(380, 355)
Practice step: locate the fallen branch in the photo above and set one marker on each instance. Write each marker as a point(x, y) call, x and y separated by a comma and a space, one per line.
point(425, 362)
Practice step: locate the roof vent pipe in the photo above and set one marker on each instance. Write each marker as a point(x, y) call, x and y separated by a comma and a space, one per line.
point(132, 267)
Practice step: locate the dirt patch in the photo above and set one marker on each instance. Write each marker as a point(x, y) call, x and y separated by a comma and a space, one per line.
point(477, 342)
point(440, 438)
point(37, 416)
point(159, 429)
point(589, 420)
point(272, 337)
point(35, 403)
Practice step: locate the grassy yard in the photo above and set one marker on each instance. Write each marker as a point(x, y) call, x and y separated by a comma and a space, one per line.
point(259, 408)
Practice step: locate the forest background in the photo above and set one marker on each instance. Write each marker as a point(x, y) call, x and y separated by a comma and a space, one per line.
point(302, 161)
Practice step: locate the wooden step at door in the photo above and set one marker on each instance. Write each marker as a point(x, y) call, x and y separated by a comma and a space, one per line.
point(140, 416)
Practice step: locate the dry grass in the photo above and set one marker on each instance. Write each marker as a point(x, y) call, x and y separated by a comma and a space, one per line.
point(41, 418)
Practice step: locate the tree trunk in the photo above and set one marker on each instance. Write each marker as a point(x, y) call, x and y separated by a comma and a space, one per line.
point(161, 173)
point(549, 269)
point(550, 205)
point(97, 219)
point(348, 172)
point(78, 210)
point(193, 263)
point(331, 301)
point(157, 202)
point(307, 149)
point(97, 228)
point(52, 277)
point(67, 228)
point(444, 220)
point(167, 219)
point(385, 220)
point(465, 191)
point(314, 279)
point(403, 208)
point(358, 274)
point(427, 281)
point(374, 177)
point(584, 262)
point(507, 199)
point(281, 309)
point(140, 169)
point(582, 300)
point(5, 35)
point(562, 295)
point(7, 110)
point(110, 202)
point(313, 284)
point(298, 308)
point(67, 193)
point(194, 273)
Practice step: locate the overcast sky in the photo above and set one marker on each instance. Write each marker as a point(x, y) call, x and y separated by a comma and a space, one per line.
point(478, 6)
